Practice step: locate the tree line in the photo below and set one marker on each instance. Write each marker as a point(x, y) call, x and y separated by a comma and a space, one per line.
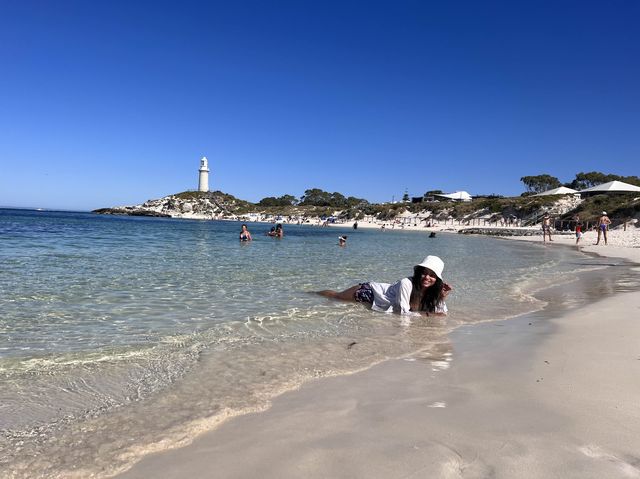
point(534, 184)
point(314, 197)
point(544, 182)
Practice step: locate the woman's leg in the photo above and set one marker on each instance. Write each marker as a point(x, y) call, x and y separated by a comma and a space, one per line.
point(346, 295)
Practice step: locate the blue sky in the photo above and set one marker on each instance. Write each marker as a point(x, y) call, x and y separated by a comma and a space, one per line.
point(111, 103)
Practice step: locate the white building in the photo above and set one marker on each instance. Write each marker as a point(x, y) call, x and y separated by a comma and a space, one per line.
point(456, 196)
point(203, 180)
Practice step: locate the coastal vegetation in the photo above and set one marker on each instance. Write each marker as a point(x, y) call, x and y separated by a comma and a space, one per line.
point(314, 197)
point(619, 207)
point(317, 203)
point(524, 209)
point(539, 183)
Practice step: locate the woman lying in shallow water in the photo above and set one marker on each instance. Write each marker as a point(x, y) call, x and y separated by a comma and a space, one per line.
point(424, 293)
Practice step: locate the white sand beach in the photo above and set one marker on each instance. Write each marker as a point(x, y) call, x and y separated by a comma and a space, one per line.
point(533, 397)
point(621, 243)
point(628, 238)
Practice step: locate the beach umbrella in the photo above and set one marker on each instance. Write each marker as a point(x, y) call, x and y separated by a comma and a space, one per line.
point(612, 187)
point(563, 190)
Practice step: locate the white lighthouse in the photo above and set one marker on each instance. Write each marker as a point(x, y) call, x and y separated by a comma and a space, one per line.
point(203, 180)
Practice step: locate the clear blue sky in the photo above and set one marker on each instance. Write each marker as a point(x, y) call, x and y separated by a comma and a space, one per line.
point(111, 103)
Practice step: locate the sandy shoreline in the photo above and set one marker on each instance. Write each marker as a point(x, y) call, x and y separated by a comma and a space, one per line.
point(621, 244)
point(547, 395)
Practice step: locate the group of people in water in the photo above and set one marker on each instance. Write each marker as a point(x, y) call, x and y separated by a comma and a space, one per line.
point(423, 293)
point(275, 231)
point(278, 232)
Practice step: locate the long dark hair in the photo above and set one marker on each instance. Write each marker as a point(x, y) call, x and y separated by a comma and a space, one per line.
point(432, 295)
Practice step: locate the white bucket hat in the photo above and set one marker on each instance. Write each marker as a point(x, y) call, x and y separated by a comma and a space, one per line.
point(434, 263)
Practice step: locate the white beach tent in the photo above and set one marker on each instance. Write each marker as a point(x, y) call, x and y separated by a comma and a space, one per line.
point(563, 190)
point(457, 196)
point(611, 187)
point(406, 216)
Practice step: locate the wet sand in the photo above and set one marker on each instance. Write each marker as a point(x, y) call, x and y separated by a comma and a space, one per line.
point(552, 394)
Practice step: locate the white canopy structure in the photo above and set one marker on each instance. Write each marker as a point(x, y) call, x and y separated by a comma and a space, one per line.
point(563, 190)
point(457, 196)
point(612, 187)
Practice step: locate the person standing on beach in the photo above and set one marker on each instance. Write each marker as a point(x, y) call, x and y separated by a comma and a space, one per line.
point(603, 226)
point(578, 232)
point(546, 228)
point(423, 293)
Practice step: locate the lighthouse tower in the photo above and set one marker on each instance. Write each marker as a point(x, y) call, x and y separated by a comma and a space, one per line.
point(203, 180)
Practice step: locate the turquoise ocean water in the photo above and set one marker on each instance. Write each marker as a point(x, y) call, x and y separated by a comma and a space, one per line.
point(120, 336)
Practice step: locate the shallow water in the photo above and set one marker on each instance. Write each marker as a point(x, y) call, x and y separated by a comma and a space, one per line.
point(125, 335)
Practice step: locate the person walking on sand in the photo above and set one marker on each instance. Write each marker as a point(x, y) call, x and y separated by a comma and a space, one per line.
point(546, 228)
point(603, 226)
point(578, 231)
point(421, 294)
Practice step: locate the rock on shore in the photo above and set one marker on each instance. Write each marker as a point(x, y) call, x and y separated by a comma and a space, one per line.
point(130, 211)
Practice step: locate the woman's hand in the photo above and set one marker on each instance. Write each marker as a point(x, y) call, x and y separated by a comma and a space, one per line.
point(446, 289)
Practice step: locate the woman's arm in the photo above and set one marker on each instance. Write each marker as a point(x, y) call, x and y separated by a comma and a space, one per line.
point(404, 296)
point(441, 306)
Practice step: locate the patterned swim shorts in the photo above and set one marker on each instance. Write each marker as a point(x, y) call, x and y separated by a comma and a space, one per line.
point(364, 294)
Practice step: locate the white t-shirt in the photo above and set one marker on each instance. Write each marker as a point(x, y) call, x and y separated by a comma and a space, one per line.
point(395, 298)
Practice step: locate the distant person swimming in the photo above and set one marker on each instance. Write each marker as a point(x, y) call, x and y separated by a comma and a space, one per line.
point(423, 293)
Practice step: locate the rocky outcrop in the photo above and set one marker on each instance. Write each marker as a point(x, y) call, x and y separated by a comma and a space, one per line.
point(130, 211)
point(189, 204)
point(507, 231)
point(500, 231)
